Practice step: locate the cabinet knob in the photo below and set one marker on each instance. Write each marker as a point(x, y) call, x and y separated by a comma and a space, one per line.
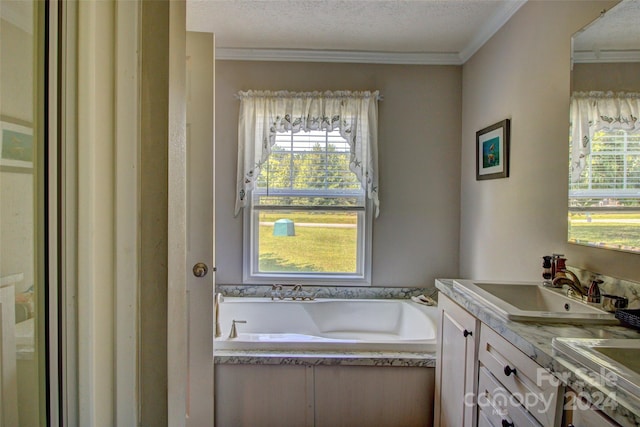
point(506, 423)
point(467, 333)
point(508, 370)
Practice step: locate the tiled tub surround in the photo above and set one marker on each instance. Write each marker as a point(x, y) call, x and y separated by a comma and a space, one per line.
point(535, 340)
point(338, 292)
point(330, 358)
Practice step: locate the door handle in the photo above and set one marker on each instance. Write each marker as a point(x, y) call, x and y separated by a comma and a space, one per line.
point(200, 269)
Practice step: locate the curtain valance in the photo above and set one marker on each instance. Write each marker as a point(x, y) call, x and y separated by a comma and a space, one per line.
point(265, 113)
point(596, 111)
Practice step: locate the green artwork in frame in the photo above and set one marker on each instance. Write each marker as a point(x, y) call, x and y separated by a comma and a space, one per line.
point(492, 151)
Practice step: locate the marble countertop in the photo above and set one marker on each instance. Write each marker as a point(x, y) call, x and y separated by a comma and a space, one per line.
point(535, 340)
point(243, 357)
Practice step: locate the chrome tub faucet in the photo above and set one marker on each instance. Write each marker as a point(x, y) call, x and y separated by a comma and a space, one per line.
point(276, 292)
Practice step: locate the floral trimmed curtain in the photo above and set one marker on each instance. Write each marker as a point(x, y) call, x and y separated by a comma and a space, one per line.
point(596, 111)
point(264, 113)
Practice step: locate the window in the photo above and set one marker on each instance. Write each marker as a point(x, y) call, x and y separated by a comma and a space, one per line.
point(604, 202)
point(308, 218)
point(307, 181)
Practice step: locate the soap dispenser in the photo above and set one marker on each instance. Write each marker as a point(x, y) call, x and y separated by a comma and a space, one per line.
point(593, 294)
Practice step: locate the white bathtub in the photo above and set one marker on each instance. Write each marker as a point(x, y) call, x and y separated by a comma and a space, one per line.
point(328, 324)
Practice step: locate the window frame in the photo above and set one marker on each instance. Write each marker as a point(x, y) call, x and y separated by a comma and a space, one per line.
point(251, 275)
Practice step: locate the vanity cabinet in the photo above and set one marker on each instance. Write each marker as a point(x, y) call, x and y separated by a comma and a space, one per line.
point(482, 379)
point(456, 368)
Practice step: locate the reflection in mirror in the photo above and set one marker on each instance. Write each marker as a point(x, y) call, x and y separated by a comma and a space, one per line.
point(604, 178)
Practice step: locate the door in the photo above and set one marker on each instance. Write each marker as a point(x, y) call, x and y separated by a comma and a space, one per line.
point(22, 214)
point(200, 226)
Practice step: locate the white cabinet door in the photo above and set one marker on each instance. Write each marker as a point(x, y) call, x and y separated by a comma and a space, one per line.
point(456, 370)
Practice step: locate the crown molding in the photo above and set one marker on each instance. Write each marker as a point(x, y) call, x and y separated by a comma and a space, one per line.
point(589, 57)
point(376, 57)
point(345, 56)
point(490, 28)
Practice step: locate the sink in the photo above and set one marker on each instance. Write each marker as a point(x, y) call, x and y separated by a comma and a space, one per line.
point(613, 360)
point(531, 302)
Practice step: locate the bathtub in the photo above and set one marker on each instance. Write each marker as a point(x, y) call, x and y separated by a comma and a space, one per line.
point(327, 325)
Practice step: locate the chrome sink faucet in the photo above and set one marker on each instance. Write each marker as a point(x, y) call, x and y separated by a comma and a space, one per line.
point(567, 277)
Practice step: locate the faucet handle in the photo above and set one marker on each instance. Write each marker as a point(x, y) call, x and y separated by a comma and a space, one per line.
point(276, 292)
point(234, 330)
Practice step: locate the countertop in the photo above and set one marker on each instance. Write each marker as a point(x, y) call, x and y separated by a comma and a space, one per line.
point(535, 340)
point(375, 358)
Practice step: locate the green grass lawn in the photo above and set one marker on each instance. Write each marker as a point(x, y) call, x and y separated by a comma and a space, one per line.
point(313, 217)
point(613, 230)
point(312, 249)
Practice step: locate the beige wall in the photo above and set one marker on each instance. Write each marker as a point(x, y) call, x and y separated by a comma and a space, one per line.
point(623, 76)
point(415, 238)
point(523, 73)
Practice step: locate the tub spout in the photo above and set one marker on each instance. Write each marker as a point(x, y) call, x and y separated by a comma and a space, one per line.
point(234, 330)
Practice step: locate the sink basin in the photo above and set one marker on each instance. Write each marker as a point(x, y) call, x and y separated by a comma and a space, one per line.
point(613, 360)
point(531, 302)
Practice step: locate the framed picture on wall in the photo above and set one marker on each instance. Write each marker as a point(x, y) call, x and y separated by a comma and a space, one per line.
point(16, 145)
point(492, 151)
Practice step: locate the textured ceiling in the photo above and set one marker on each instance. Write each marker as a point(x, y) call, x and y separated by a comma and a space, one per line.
point(618, 29)
point(415, 26)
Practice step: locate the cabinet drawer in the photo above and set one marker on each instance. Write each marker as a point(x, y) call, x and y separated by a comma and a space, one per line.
point(498, 406)
point(592, 418)
point(580, 413)
point(524, 378)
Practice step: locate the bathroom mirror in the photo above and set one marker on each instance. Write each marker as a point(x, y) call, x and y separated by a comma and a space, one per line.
point(604, 172)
